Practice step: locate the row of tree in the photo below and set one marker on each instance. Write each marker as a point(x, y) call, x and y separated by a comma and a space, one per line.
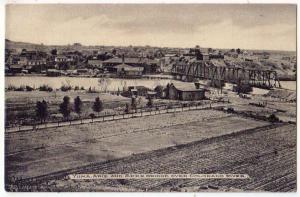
point(65, 108)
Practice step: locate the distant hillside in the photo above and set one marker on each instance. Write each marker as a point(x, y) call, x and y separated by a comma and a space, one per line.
point(23, 45)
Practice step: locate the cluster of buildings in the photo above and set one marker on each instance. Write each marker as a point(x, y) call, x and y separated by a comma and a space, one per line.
point(172, 91)
point(56, 63)
point(113, 61)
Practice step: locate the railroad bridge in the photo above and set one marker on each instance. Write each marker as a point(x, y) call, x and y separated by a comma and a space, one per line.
point(230, 73)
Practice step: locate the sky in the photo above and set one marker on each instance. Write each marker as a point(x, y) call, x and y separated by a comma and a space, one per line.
point(271, 26)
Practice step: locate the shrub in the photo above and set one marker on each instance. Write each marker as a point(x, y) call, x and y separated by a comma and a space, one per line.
point(273, 118)
point(230, 110)
point(92, 116)
point(28, 88)
point(11, 88)
point(76, 88)
point(45, 88)
point(21, 88)
point(91, 90)
point(65, 88)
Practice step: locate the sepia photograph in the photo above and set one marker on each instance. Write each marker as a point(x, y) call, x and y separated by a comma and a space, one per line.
point(150, 97)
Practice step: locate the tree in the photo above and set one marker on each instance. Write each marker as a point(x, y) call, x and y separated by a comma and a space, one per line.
point(159, 91)
point(238, 51)
point(77, 105)
point(92, 116)
point(98, 105)
point(42, 110)
point(150, 102)
point(53, 52)
point(65, 107)
point(127, 108)
point(133, 103)
point(167, 91)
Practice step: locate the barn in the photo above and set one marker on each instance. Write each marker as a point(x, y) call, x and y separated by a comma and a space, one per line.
point(185, 92)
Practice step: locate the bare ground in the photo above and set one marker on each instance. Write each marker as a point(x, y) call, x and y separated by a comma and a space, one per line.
point(267, 154)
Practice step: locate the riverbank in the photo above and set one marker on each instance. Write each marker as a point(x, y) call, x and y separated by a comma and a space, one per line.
point(103, 84)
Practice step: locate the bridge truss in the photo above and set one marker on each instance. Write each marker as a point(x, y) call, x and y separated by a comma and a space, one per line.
point(232, 74)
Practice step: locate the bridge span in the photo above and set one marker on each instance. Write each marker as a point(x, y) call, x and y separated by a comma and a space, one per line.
point(231, 73)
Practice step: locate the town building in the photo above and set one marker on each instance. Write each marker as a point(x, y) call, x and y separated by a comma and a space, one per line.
point(53, 73)
point(95, 63)
point(149, 65)
point(124, 70)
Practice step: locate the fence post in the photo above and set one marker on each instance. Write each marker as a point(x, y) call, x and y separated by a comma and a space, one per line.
point(103, 118)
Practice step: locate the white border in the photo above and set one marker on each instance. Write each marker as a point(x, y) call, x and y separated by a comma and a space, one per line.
point(2, 95)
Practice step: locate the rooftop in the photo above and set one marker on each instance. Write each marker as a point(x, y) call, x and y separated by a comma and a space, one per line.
point(127, 67)
point(131, 60)
point(186, 87)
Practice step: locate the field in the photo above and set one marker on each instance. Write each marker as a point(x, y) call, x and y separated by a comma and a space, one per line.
point(35, 153)
point(267, 155)
point(196, 141)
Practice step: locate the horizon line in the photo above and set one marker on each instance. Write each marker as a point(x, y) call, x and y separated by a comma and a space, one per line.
point(105, 45)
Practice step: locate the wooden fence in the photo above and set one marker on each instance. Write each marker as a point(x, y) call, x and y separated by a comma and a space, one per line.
point(139, 112)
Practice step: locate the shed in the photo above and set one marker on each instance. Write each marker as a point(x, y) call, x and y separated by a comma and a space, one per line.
point(185, 92)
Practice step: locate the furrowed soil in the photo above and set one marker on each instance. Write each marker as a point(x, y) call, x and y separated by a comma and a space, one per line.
point(35, 153)
point(267, 154)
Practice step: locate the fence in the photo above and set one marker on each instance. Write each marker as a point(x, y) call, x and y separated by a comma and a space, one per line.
point(139, 112)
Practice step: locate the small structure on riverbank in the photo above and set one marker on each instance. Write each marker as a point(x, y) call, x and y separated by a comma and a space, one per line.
point(185, 92)
point(53, 72)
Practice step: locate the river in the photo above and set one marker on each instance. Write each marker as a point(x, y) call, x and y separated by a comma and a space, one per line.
point(109, 84)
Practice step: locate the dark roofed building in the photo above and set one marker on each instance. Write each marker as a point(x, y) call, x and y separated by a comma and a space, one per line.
point(185, 92)
point(150, 66)
point(16, 68)
point(125, 70)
